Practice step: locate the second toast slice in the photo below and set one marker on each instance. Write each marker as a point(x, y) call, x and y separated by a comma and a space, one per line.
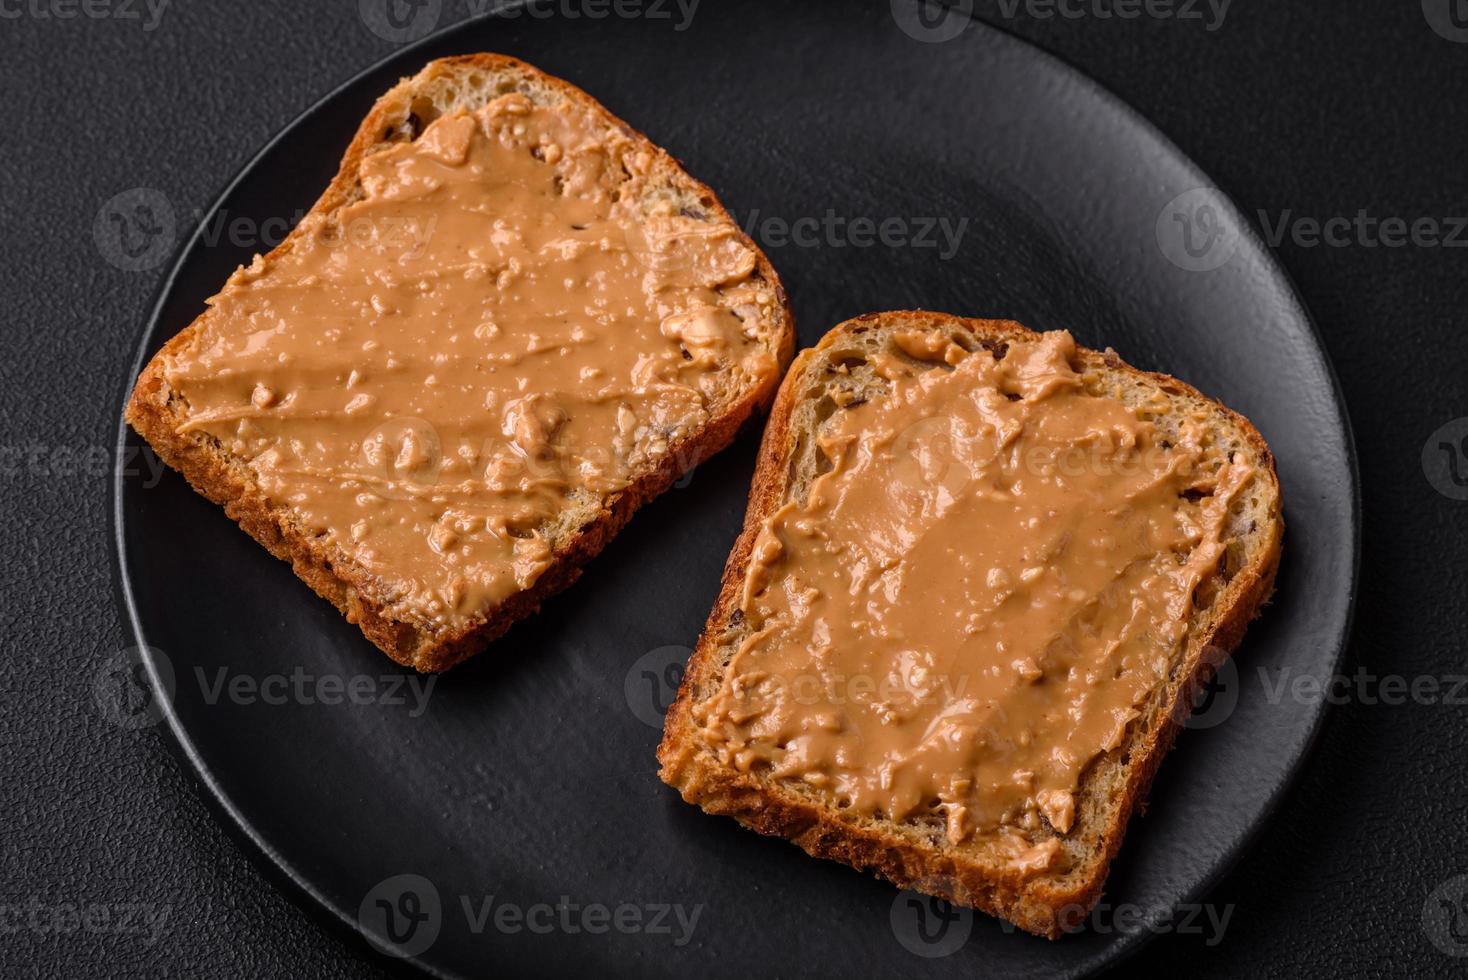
point(982, 573)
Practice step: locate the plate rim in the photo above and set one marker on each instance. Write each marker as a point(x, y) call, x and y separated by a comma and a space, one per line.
point(298, 885)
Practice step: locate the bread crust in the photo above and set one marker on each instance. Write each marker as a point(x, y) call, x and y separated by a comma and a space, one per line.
point(1048, 908)
point(331, 572)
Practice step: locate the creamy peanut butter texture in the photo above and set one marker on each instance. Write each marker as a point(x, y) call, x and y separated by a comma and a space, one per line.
point(974, 600)
point(500, 327)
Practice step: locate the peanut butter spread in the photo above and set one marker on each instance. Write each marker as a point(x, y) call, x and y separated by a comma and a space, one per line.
point(506, 322)
point(974, 600)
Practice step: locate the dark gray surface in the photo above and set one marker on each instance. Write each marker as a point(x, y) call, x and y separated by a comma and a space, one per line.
point(1275, 105)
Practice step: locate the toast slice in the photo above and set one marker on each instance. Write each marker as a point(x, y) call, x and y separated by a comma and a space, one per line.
point(741, 741)
point(508, 322)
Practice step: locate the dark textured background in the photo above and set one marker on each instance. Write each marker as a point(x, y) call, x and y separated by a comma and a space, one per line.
point(1318, 108)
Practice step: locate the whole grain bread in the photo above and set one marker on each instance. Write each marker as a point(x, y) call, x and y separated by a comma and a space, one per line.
point(463, 83)
point(915, 853)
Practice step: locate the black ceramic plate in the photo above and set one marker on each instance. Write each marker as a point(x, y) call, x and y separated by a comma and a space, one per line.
point(525, 787)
